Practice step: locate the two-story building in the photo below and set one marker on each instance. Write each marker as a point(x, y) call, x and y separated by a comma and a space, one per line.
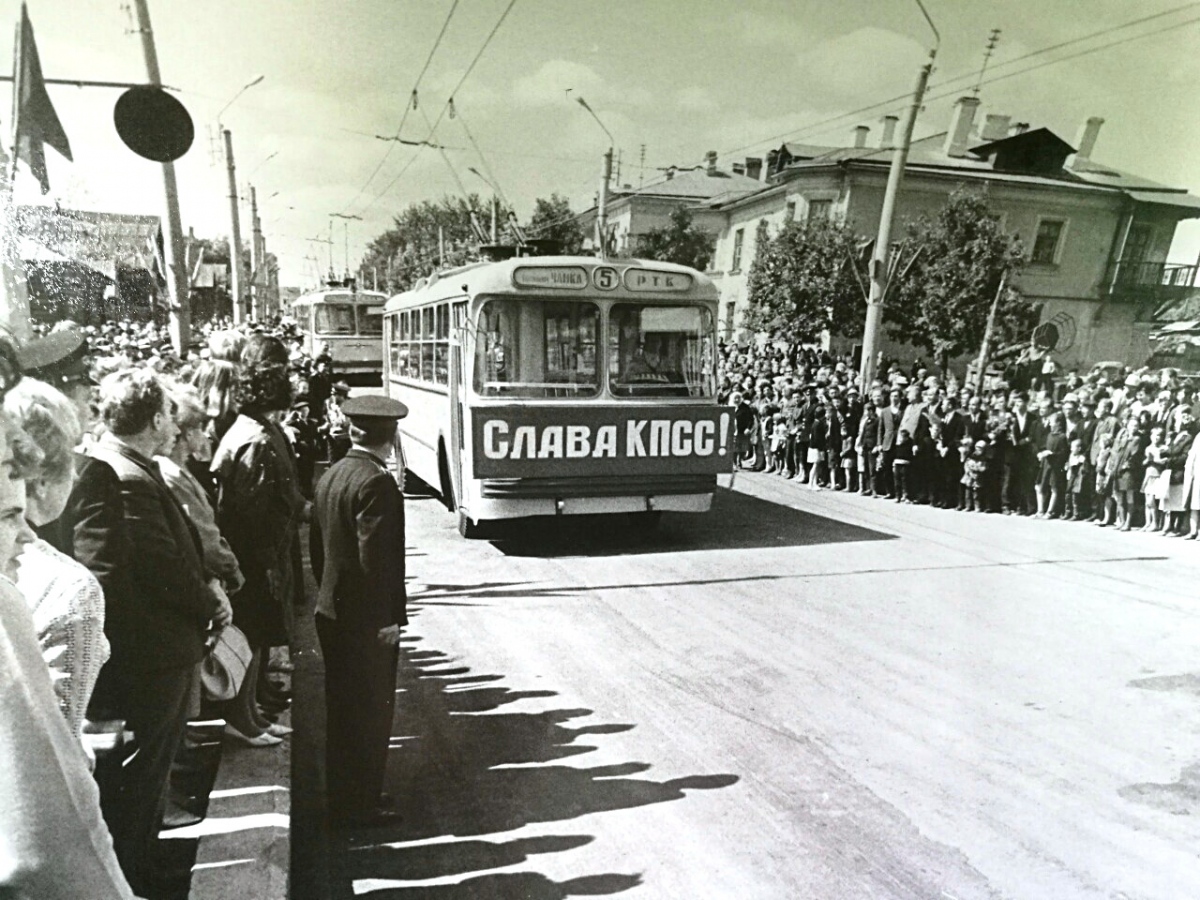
point(1097, 238)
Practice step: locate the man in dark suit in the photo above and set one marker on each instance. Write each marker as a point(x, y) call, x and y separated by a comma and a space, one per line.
point(156, 617)
point(357, 547)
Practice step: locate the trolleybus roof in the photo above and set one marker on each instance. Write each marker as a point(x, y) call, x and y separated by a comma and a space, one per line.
point(561, 275)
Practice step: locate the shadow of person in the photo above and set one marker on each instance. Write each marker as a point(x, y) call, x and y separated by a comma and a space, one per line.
point(443, 860)
point(515, 886)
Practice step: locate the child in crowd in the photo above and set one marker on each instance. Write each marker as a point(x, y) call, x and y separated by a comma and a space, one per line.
point(1104, 498)
point(1154, 467)
point(902, 456)
point(974, 469)
point(1076, 468)
point(779, 439)
point(963, 452)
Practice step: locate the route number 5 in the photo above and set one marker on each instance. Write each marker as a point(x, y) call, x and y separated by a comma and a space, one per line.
point(605, 278)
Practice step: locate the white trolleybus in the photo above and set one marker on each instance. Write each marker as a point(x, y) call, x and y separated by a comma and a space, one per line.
point(542, 386)
point(347, 321)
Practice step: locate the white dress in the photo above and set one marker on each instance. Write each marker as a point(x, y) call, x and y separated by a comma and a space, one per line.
point(53, 842)
point(67, 604)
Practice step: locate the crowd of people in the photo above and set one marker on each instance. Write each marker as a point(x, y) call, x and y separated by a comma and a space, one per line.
point(1119, 449)
point(149, 501)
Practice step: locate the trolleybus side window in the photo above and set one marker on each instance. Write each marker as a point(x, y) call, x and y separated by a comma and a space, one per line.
point(537, 348)
point(660, 351)
point(334, 318)
point(441, 349)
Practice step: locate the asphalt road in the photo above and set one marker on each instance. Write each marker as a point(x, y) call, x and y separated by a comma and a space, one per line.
point(798, 695)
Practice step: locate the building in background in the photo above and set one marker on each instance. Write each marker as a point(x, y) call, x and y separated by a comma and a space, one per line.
point(1097, 238)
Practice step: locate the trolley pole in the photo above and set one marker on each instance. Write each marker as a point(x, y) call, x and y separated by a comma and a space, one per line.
point(179, 293)
point(235, 234)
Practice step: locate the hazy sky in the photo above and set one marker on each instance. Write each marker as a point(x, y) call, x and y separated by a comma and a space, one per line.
point(678, 77)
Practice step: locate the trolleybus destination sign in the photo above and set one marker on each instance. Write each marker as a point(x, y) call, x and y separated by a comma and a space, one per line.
point(528, 441)
point(572, 278)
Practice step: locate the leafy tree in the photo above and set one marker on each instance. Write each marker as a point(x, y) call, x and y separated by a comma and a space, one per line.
point(553, 219)
point(412, 244)
point(802, 283)
point(944, 304)
point(679, 242)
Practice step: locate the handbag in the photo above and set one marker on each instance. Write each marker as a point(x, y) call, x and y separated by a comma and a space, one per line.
point(224, 668)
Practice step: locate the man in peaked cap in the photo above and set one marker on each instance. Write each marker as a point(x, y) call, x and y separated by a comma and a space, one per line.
point(357, 547)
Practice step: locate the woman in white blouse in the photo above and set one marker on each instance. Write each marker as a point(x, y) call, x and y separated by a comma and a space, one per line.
point(64, 597)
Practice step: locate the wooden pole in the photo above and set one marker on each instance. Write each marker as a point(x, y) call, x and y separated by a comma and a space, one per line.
point(987, 335)
point(173, 252)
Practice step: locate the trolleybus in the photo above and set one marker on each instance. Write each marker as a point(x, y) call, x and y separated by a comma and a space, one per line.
point(349, 323)
point(544, 386)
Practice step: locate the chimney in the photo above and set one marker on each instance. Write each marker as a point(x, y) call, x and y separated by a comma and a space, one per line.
point(959, 134)
point(772, 162)
point(710, 162)
point(670, 172)
point(888, 138)
point(995, 127)
point(1018, 128)
point(860, 135)
point(1085, 143)
point(738, 168)
point(754, 167)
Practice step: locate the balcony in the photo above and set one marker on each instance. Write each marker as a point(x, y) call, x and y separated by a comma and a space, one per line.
point(1145, 278)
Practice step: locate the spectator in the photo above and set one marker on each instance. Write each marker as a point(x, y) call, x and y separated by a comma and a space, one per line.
point(158, 618)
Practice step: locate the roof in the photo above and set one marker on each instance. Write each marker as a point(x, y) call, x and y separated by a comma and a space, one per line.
point(696, 184)
point(928, 153)
point(98, 240)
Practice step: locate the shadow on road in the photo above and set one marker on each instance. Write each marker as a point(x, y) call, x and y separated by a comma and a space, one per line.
point(736, 522)
point(452, 744)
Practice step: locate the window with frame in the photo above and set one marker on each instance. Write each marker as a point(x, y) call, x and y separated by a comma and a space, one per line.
point(660, 351)
point(819, 210)
point(1047, 242)
point(370, 320)
point(790, 211)
point(528, 348)
point(739, 238)
point(334, 318)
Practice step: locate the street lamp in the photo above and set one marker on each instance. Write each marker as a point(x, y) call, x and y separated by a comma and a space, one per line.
point(245, 87)
point(602, 204)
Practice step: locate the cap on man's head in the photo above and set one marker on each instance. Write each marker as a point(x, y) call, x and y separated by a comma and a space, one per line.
point(374, 406)
point(340, 387)
point(59, 358)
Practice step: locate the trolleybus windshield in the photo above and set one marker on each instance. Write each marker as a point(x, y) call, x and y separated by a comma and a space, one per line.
point(528, 348)
point(333, 318)
point(660, 351)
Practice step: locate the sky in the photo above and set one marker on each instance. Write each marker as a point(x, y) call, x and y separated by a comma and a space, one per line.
point(669, 79)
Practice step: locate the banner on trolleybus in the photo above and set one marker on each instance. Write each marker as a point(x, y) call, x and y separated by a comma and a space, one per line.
point(528, 441)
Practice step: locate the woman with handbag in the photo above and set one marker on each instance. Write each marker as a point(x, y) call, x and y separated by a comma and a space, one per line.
point(259, 510)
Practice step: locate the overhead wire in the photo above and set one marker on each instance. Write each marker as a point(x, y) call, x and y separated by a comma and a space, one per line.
point(408, 106)
point(813, 128)
point(433, 127)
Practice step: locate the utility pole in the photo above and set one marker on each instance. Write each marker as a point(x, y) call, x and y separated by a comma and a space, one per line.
point(602, 206)
point(256, 259)
point(883, 240)
point(235, 234)
point(495, 212)
point(179, 294)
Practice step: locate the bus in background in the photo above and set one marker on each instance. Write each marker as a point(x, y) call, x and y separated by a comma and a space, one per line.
point(543, 386)
point(349, 323)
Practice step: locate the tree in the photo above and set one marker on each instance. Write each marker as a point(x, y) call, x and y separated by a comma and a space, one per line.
point(411, 245)
point(802, 283)
point(944, 304)
point(679, 242)
point(553, 219)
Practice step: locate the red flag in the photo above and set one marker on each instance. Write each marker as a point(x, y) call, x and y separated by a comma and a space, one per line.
point(35, 123)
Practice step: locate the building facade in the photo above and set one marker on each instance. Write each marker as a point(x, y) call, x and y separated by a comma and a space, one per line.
point(1096, 238)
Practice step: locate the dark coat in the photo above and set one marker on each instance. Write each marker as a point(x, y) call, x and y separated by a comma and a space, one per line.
point(357, 544)
point(259, 509)
point(91, 529)
point(157, 616)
